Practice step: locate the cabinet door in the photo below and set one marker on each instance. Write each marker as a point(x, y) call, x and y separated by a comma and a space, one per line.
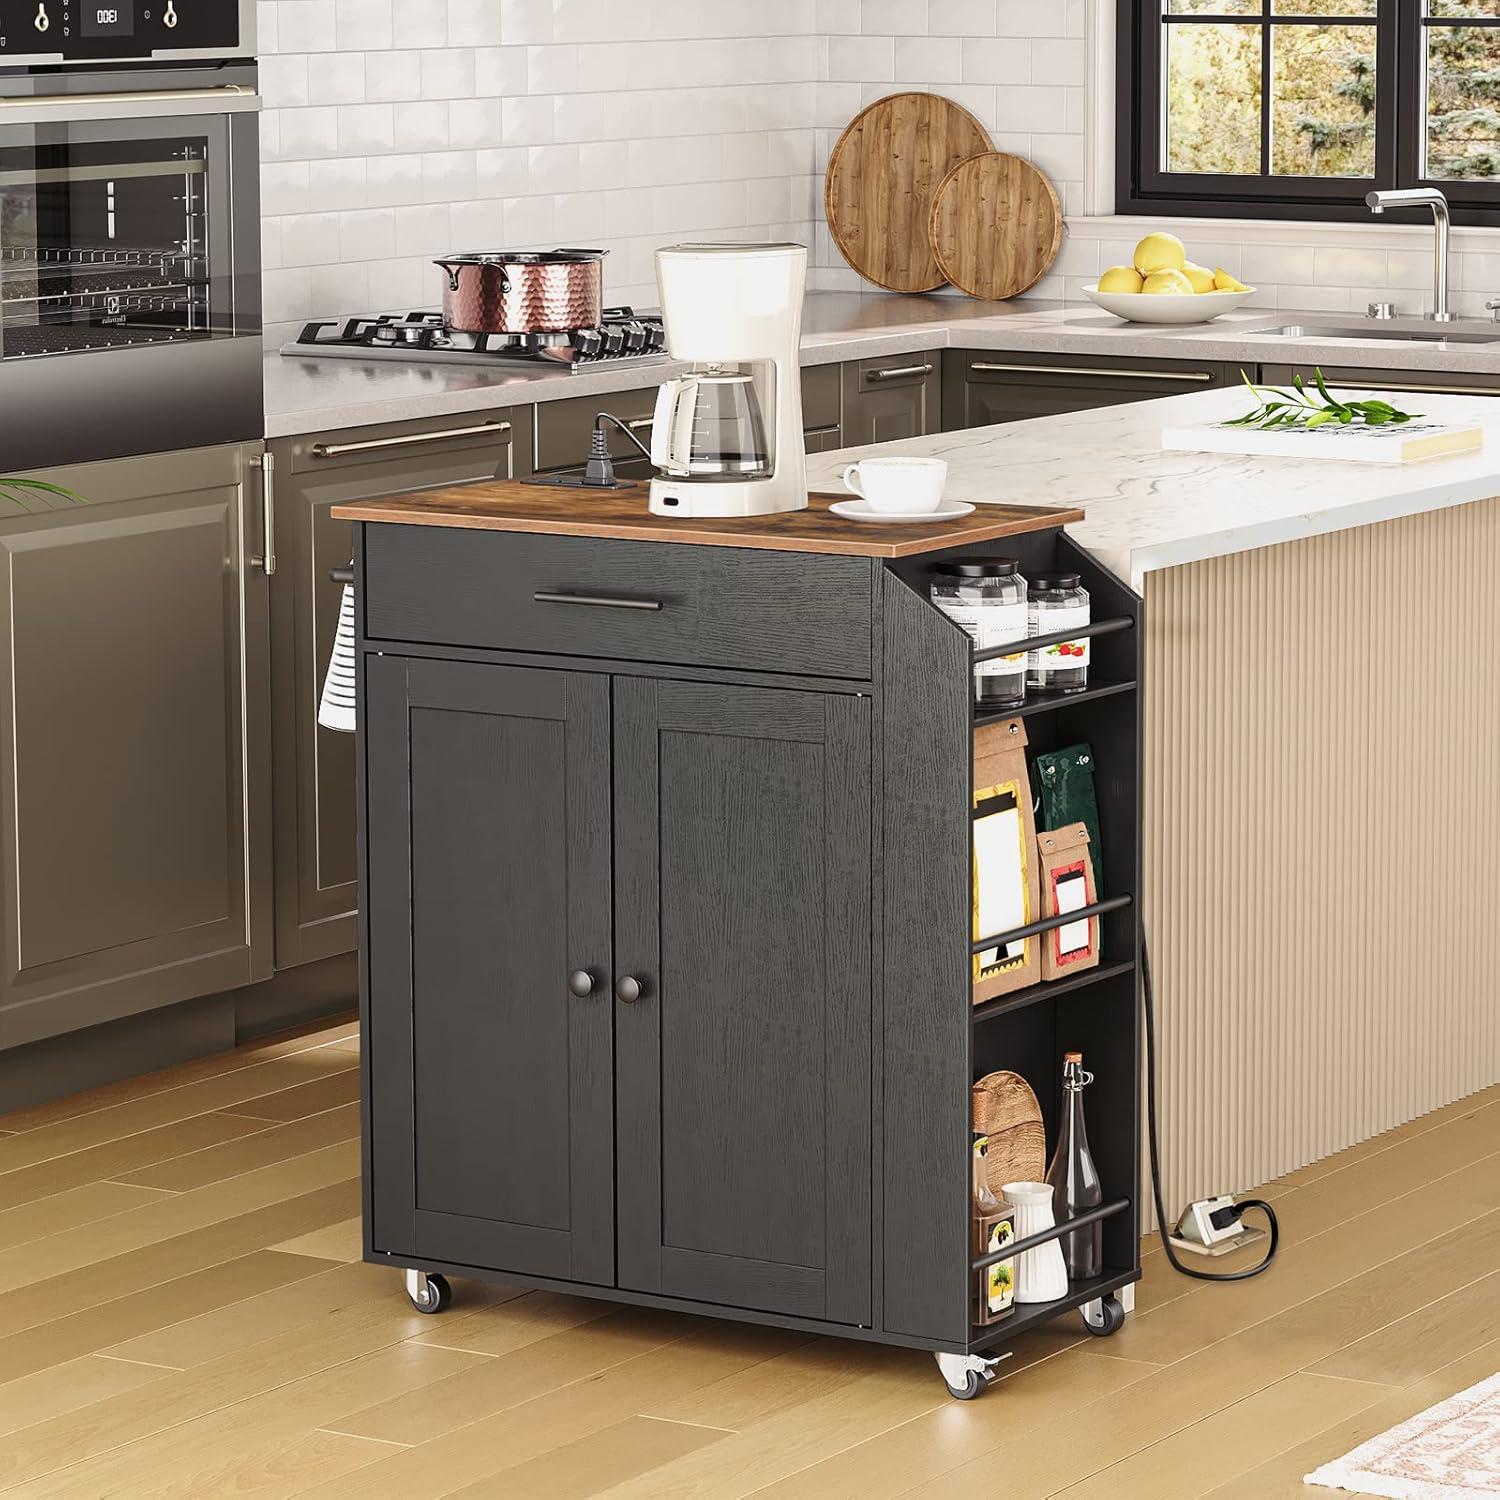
point(742, 897)
point(316, 889)
point(134, 753)
point(487, 807)
point(886, 400)
point(984, 388)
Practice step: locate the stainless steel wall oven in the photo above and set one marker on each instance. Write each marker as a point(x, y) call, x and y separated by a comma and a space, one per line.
point(129, 229)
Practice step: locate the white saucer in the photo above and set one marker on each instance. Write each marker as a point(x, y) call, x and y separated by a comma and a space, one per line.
point(862, 510)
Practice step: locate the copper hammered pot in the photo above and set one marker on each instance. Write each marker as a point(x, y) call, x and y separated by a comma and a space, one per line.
point(523, 291)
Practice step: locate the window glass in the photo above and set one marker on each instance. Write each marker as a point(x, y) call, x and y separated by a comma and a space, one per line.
point(1213, 99)
point(1463, 102)
point(1323, 101)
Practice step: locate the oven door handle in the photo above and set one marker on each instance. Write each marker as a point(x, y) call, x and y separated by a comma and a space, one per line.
point(47, 109)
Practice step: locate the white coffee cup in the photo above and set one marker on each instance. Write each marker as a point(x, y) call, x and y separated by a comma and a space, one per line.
point(898, 484)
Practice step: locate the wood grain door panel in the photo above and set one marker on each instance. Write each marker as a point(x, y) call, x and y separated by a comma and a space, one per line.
point(742, 853)
point(489, 873)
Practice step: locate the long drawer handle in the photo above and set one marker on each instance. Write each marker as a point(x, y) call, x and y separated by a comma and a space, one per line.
point(600, 601)
point(1419, 390)
point(1202, 376)
point(370, 445)
point(899, 371)
point(265, 560)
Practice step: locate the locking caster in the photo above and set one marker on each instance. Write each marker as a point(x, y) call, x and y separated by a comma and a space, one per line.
point(967, 1376)
point(429, 1294)
point(1103, 1316)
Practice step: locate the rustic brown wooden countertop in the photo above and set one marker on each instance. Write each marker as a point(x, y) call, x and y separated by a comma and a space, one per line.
point(510, 505)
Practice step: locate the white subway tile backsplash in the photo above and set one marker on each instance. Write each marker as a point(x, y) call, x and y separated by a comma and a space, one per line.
point(394, 131)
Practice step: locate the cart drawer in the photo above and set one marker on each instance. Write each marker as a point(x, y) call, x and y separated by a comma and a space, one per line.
point(630, 601)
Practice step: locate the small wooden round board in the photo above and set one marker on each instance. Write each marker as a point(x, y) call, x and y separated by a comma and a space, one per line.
point(882, 175)
point(996, 225)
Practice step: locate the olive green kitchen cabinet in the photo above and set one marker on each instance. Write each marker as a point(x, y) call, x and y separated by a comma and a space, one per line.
point(135, 787)
point(981, 387)
point(313, 767)
point(887, 400)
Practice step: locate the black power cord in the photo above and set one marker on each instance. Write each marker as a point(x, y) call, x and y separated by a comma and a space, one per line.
point(1149, 999)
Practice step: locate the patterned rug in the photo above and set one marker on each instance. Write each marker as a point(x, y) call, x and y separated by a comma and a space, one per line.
point(1450, 1452)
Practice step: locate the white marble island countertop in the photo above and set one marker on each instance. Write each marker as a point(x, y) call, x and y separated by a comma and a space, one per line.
point(1149, 509)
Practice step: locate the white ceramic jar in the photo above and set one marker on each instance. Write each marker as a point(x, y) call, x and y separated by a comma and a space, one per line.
point(1041, 1274)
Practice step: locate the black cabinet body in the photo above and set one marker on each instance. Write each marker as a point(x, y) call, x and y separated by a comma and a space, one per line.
point(751, 842)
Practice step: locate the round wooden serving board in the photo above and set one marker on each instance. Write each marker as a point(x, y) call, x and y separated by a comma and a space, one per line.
point(996, 225)
point(881, 179)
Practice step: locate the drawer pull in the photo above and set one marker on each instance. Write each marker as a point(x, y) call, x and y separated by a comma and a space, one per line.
point(899, 371)
point(640, 422)
point(598, 600)
point(406, 440)
point(1202, 376)
point(1420, 390)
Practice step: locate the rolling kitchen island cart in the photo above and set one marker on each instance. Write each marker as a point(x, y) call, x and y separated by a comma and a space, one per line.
point(667, 912)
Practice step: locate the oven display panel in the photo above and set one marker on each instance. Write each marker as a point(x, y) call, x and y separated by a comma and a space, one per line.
point(114, 19)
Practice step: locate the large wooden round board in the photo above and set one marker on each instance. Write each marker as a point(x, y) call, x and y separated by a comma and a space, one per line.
point(881, 179)
point(996, 225)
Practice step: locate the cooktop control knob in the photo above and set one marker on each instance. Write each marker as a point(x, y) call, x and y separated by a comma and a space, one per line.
point(41, 23)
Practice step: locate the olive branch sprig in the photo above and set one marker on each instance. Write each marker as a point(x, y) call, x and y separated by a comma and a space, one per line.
point(13, 487)
point(1275, 407)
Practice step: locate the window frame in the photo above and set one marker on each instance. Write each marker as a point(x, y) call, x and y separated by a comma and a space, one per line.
point(1143, 187)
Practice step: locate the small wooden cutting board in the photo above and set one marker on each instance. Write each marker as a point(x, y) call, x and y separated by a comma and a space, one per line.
point(996, 225)
point(881, 178)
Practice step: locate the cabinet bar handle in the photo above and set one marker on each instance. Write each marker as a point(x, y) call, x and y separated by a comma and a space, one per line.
point(1041, 1237)
point(1054, 638)
point(341, 575)
point(640, 422)
point(266, 560)
point(1420, 390)
point(598, 600)
point(1202, 376)
point(370, 445)
point(899, 371)
point(820, 431)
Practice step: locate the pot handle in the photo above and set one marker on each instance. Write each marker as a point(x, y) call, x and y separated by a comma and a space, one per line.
point(451, 267)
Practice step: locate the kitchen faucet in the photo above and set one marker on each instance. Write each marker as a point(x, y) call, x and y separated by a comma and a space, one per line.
point(1424, 197)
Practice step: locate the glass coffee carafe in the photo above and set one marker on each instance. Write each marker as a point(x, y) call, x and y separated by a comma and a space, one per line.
point(716, 428)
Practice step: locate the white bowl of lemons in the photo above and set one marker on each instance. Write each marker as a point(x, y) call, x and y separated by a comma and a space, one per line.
point(1164, 286)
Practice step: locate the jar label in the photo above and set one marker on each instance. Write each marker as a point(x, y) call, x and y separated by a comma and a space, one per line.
point(1066, 654)
point(993, 625)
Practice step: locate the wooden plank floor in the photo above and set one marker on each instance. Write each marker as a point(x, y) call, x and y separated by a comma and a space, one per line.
point(183, 1313)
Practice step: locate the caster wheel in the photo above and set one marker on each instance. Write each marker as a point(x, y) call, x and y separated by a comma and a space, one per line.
point(1103, 1317)
point(970, 1390)
point(429, 1294)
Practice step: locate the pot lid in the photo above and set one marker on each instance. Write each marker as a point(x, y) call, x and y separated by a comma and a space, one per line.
point(521, 257)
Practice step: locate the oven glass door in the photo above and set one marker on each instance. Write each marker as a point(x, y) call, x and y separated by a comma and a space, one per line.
point(115, 234)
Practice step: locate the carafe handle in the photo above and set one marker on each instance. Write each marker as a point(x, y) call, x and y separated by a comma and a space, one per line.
point(672, 425)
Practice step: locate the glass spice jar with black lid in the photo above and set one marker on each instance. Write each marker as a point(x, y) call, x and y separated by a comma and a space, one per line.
point(1057, 602)
point(986, 596)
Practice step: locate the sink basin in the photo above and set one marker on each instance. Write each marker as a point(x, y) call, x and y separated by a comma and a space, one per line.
point(1437, 334)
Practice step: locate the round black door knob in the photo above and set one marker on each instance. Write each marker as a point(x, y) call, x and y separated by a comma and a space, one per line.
point(628, 989)
point(581, 983)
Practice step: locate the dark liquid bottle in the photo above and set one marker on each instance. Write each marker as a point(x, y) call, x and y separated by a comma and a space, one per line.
point(1074, 1177)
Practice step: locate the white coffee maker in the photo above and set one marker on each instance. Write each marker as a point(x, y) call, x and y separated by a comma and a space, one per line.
point(727, 436)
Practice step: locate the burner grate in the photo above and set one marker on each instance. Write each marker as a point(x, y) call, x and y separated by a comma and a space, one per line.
point(621, 334)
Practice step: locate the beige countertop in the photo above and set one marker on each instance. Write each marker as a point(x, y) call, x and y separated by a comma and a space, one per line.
point(311, 395)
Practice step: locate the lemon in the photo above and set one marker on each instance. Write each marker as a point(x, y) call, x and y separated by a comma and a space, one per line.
point(1160, 252)
point(1201, 277)
point(1224, 282)
point(1168, 283)
point(1121, 279)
